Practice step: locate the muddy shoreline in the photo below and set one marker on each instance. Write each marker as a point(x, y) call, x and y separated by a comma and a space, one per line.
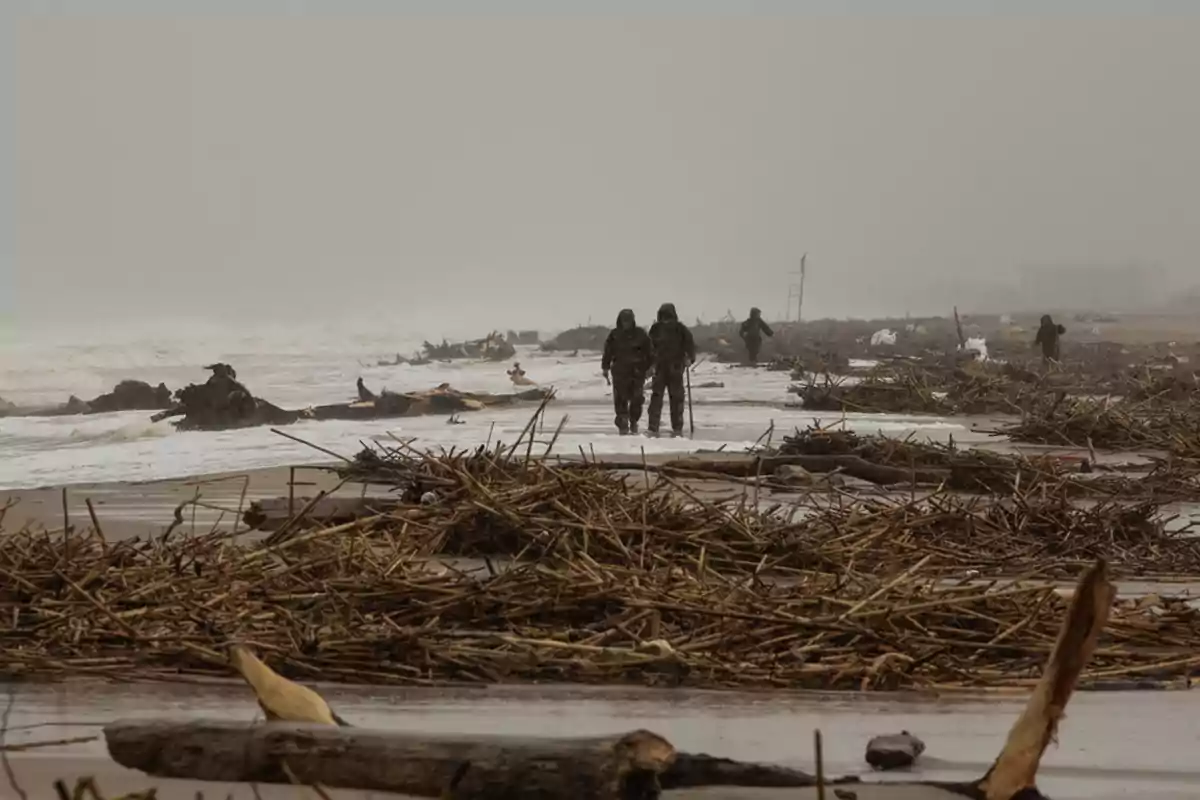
point(963, 731)
point(126, 509)
point(131, 508)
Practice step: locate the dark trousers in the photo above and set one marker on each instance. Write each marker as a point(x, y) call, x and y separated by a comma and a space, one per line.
point(753, 345)
point(668, 379)
point(629, 393)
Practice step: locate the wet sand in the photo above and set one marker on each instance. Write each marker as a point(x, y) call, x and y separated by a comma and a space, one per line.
point(1113, 745)
point(125, 508)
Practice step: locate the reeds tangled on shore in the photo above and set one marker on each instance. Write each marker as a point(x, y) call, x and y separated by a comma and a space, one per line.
point(902, 391)
point(1022, 536)
point(942, 386)
point(1123, 425)
point(965, 469)
point(901, 387)
point(978, 470)
point(603, 580)
point(491, 507)
point(359, 608)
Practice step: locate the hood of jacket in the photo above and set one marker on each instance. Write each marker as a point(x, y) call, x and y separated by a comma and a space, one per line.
point(666, 313)
point(626, 320)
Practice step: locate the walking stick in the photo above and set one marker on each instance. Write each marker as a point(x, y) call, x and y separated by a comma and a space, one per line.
point(691, 419)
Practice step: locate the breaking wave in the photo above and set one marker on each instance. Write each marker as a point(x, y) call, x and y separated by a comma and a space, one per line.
point(129, 432)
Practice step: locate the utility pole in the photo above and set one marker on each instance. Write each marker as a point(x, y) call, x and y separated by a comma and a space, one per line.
point(796, 289)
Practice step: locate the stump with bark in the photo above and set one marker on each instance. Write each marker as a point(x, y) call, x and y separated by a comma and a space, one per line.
point(624, 767)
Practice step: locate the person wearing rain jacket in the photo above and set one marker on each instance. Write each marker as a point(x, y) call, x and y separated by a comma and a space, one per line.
point(674, 352)
point(628, 355)
point(1048, 337)
point(752, 331)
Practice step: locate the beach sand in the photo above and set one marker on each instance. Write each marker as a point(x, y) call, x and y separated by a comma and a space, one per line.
point(124, 509)
point(963, 732)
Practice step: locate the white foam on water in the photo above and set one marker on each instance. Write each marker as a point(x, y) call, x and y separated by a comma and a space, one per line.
point(127, 446)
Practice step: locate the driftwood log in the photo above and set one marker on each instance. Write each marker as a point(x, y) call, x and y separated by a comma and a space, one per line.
point(1013, 775)
point(624, 767)
point(749, 467)
point(697, 770)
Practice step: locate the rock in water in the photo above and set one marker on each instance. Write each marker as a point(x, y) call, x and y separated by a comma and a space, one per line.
point(129, 395)
point(895, 751)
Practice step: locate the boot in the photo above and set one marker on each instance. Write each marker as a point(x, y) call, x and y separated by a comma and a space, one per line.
point(633, 428)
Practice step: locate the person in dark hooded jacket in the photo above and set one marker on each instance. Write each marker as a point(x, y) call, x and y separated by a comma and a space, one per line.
point(752, 331)
point(628, 355)
point(1048, 337)
point(674, 352)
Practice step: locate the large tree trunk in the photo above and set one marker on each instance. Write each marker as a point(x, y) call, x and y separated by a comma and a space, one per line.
point(624, 767)
point(704, 770)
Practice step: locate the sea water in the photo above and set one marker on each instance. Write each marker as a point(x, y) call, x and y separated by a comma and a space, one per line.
point(322, 367)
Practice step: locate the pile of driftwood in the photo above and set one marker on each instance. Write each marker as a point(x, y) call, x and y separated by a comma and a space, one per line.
point(224, 403)
point(490, 505)
point(364, 605)
point(901, 387)
point(940, 383)
point(972, 469)
point(514, 569)
point(493, 347)
point(1023, 536)
point(881, 390)
point(962, 469)
point(304, 742)
point(1112, 424)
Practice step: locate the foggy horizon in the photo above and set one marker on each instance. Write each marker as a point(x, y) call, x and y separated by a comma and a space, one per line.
point(461, 174)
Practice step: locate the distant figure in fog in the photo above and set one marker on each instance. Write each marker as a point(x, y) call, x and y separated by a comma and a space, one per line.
point(364, 394)
point(674, 352)
point(1048, 337)
point(628, 356)
point(752, 331)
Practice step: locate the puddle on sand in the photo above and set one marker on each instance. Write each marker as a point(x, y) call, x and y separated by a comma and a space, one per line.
point(1112, 744)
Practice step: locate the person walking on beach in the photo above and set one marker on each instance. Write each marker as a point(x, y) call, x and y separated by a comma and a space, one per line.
point(628, 355)
point(752, 331)
point(674, 352)
point(1048, 337)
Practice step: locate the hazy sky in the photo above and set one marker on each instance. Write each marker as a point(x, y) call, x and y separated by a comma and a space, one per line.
point(530, 168)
